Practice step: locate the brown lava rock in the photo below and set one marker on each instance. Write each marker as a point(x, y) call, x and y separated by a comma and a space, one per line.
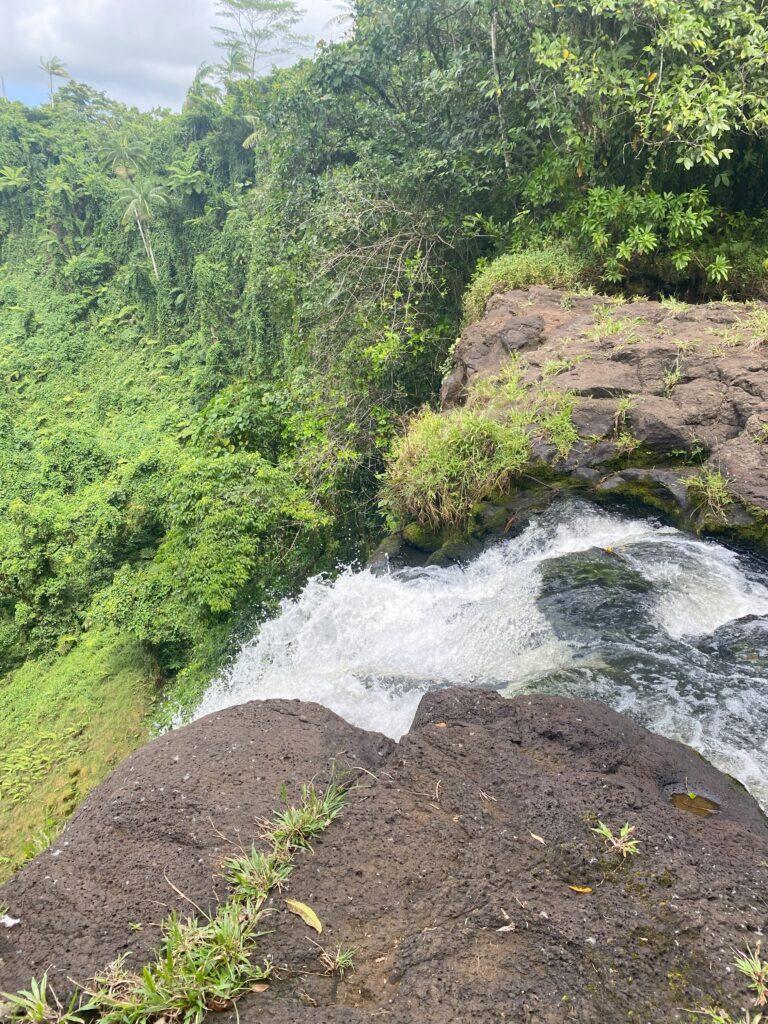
point(688, 383)
point(449, 871)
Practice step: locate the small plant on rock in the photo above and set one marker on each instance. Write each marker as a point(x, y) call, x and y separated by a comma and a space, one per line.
point(626, 443)
point(672, 378)
point(756, 970)
point(757, 324)
point(255, 874)
point(202, 966)
point(711, 488)
point(338, 960)
point(38, 1005)
point(622, 844)
point(296, 827)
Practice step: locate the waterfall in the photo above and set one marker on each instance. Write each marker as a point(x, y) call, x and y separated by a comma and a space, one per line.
point(586, 603)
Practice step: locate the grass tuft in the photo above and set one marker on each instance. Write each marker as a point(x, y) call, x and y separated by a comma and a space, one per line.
point(337, 961)
point(447, 462)
point(710, 490)
point(553, 265)
point(201, 967)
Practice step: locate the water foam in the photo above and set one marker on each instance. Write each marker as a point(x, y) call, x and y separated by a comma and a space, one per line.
point(369, 645)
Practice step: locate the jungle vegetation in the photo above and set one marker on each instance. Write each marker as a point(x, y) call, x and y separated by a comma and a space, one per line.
point(214, 322)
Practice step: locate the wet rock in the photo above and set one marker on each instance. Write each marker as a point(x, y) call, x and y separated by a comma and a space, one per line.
point(644, 484)
point(386, 554)
point(456, 552)
point(419, 537)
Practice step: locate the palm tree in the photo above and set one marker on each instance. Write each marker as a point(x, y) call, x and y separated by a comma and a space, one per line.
point(345, 19)
point(54, 67)
point(125, 157)
point(235, 65)
point(12, 177)
point(140, 197)
point(256, 135)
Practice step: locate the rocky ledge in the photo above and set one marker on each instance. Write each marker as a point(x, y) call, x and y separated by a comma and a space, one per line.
point(670, 401)
point(464, 869)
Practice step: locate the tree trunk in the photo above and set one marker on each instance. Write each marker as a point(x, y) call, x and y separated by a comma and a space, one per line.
point(147, 245)
point(499, 105)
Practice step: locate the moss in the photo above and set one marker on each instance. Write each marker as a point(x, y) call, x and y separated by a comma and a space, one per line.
point(422, 538)
point(678, 983)
point(489, 517)
point(644, 493)
point(455, 551)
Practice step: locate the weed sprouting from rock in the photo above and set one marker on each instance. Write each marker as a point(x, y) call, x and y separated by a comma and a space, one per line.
point(710, 489)
point(39, 1005)
point(622, 844)
point(755, 970)
point(207, 963)
point(338, 960)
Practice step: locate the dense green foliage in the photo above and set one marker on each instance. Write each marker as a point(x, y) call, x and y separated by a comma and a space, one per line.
point(213, 322)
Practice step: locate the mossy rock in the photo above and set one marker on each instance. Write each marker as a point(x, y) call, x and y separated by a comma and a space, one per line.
point(421, 538)
point(456, 551)
point(490, 518)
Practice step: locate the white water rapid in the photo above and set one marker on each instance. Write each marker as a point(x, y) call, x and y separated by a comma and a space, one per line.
point(588, 603)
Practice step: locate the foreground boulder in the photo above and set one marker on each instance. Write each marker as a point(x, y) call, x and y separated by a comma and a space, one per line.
point(464, 869)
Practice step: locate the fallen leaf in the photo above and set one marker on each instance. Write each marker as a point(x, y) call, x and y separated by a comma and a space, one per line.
point(580, 888)
point(219, 1005)
point(538, 839)
point(307, 914)
point(441, 725)
point(259, 988)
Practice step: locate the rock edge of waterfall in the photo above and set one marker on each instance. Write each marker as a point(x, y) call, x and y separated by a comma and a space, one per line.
point(662, 393)
point(463, 870)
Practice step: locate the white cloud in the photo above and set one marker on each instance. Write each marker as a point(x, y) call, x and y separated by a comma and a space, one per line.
point(140, 51)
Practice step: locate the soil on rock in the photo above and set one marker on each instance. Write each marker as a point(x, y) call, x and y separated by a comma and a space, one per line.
point(464, 870)
point(153, 837)
point(688, 384)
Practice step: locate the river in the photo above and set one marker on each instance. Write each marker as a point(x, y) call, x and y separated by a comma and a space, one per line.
point(585, 602)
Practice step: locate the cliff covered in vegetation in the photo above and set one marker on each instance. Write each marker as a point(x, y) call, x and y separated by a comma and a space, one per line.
point(213, 322)
point(555, 392)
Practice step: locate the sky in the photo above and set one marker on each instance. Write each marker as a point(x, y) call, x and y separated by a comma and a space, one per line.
point(143, 52)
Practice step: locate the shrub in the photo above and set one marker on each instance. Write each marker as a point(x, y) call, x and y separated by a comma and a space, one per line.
point(447, 462)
